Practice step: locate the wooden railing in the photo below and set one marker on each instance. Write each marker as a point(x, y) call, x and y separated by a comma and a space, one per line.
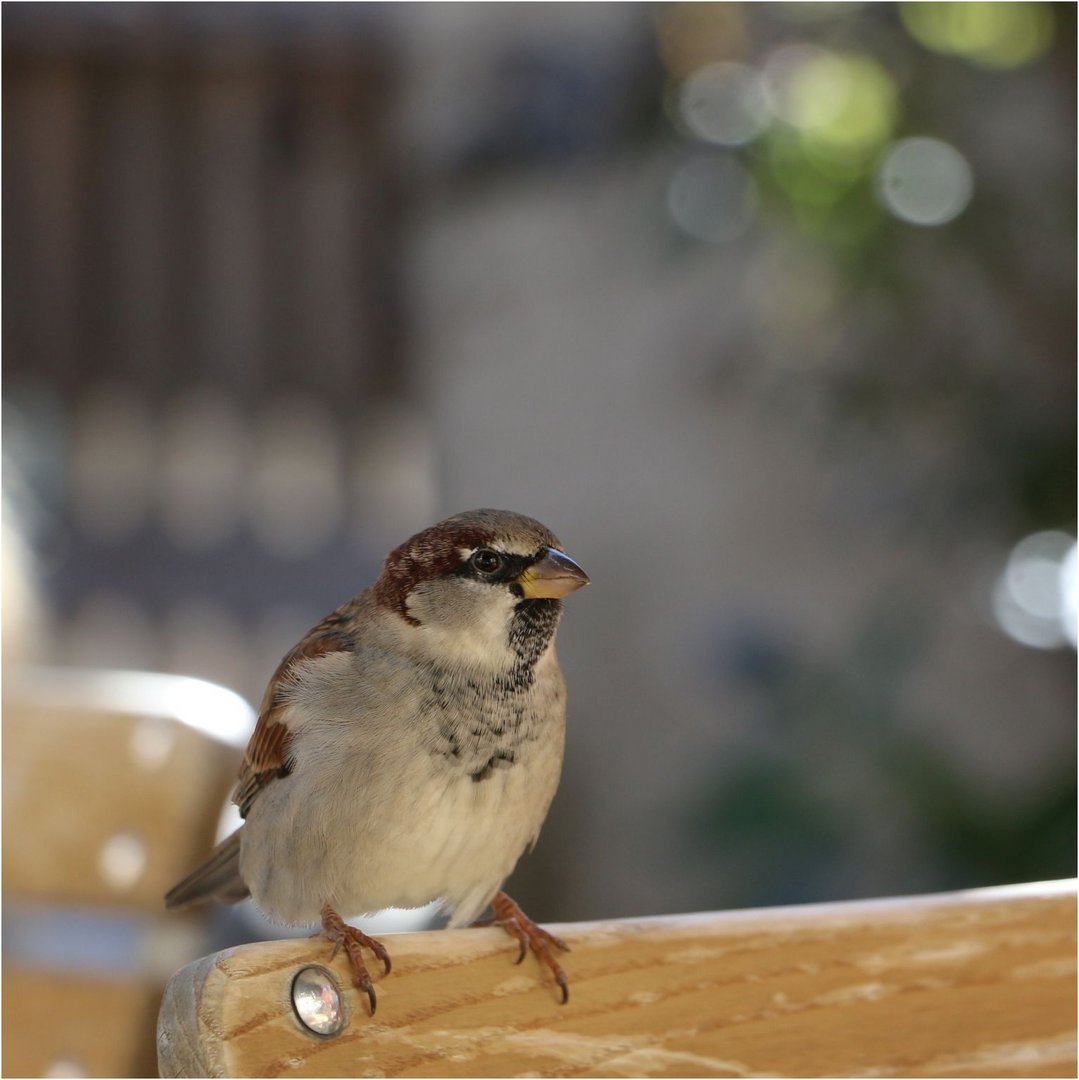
point(978, 983)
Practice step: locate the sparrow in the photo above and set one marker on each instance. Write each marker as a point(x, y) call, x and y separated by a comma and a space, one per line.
point(408, 748)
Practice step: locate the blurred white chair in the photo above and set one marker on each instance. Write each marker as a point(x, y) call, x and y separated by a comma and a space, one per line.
point(112, 784)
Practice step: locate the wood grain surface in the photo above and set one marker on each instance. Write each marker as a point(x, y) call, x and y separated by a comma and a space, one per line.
point(964, 984)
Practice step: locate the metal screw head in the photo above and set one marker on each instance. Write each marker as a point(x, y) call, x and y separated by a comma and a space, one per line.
point(317, 1001)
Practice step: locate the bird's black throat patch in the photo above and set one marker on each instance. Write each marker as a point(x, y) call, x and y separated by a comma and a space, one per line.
point(481, 721)
point(531, 629)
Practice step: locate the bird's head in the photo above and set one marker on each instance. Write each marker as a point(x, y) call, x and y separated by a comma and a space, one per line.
point(483, 587)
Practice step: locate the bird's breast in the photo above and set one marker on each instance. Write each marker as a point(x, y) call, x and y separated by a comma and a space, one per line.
point(478, 727)
point(431, 788)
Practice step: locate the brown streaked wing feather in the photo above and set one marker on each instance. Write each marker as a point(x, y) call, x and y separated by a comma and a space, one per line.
point(265, 759)
point(267, 755)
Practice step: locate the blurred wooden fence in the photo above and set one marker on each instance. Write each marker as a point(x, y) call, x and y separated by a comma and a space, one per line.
point(190, 195)
point(204, 328)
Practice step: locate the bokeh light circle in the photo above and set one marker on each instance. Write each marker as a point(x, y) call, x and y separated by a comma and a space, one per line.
point(924, 181)
point(995, 34)
point(713, 198)
point(843, 105)
point(1034, 597)
point(724, 103)
point(1069, 595)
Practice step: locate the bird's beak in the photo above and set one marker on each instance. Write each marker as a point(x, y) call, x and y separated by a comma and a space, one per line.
point(552, 576)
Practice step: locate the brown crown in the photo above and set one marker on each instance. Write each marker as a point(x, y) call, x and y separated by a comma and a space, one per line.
point(435, 551)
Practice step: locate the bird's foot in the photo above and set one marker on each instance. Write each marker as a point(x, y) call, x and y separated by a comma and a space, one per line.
point(530, 935)
point(352, 941)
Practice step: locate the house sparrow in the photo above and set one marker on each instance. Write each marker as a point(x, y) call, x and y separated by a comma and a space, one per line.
point(408, 748)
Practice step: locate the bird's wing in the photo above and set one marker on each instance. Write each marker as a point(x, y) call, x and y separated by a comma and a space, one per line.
point(267, 755)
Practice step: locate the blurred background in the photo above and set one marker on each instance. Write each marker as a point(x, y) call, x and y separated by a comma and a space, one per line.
point(767, 310)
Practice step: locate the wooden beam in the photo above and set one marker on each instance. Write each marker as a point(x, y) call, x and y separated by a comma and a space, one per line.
point(964, 984)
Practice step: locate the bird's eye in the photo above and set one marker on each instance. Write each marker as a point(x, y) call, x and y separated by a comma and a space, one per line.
point(486, 561)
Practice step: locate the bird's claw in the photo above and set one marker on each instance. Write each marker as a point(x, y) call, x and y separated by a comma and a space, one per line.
point(530, 935)
point(524, 951)
point(352, 940)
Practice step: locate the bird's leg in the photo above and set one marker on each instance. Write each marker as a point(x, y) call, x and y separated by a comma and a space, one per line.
point(530, 935)
point(352, 940)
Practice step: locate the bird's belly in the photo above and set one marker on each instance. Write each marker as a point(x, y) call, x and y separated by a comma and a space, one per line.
point(437, 835)
point(457, 843)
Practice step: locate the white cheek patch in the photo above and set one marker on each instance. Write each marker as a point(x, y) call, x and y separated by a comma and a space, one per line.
point(481, 644)
point(466, 622)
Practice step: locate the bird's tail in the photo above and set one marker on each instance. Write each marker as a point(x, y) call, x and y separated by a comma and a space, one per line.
point(218, 878)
